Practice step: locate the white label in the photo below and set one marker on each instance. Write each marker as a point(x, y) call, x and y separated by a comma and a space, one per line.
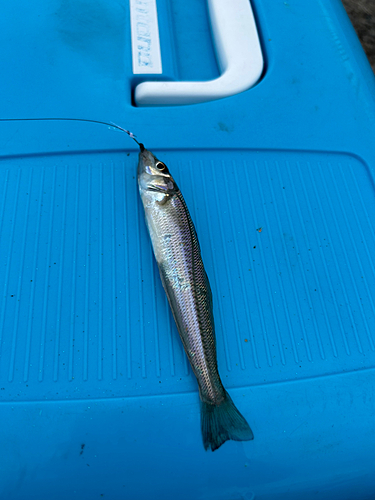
point(145, 37)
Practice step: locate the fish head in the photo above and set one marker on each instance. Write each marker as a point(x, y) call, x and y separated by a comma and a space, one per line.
point(154, 176)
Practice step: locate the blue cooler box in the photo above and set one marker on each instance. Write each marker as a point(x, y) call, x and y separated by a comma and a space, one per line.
point(265, 116)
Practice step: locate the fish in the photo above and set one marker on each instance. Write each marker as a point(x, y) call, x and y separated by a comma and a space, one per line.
point(178, 256)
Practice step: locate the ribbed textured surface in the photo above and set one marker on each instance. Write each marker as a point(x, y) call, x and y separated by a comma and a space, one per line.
point(287, 240)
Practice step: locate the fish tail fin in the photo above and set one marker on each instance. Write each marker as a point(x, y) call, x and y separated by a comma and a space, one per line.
point(222, 422)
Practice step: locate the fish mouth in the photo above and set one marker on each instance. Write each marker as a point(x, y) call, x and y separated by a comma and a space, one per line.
point(146, 156)
point(155, 189)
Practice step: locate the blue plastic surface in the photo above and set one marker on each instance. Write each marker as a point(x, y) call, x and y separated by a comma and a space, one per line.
point(96, 395)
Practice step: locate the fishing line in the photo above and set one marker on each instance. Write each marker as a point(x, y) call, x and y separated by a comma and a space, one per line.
point(111, 124)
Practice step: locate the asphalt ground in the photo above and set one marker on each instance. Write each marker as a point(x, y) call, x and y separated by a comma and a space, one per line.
point(362, 16)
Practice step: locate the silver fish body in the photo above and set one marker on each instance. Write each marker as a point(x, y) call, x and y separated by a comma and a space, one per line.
point(185, 281)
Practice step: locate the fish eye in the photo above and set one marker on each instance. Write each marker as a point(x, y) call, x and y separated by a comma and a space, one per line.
point(160, 166)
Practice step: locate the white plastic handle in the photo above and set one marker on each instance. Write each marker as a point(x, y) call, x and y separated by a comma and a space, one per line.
point(239, 56)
